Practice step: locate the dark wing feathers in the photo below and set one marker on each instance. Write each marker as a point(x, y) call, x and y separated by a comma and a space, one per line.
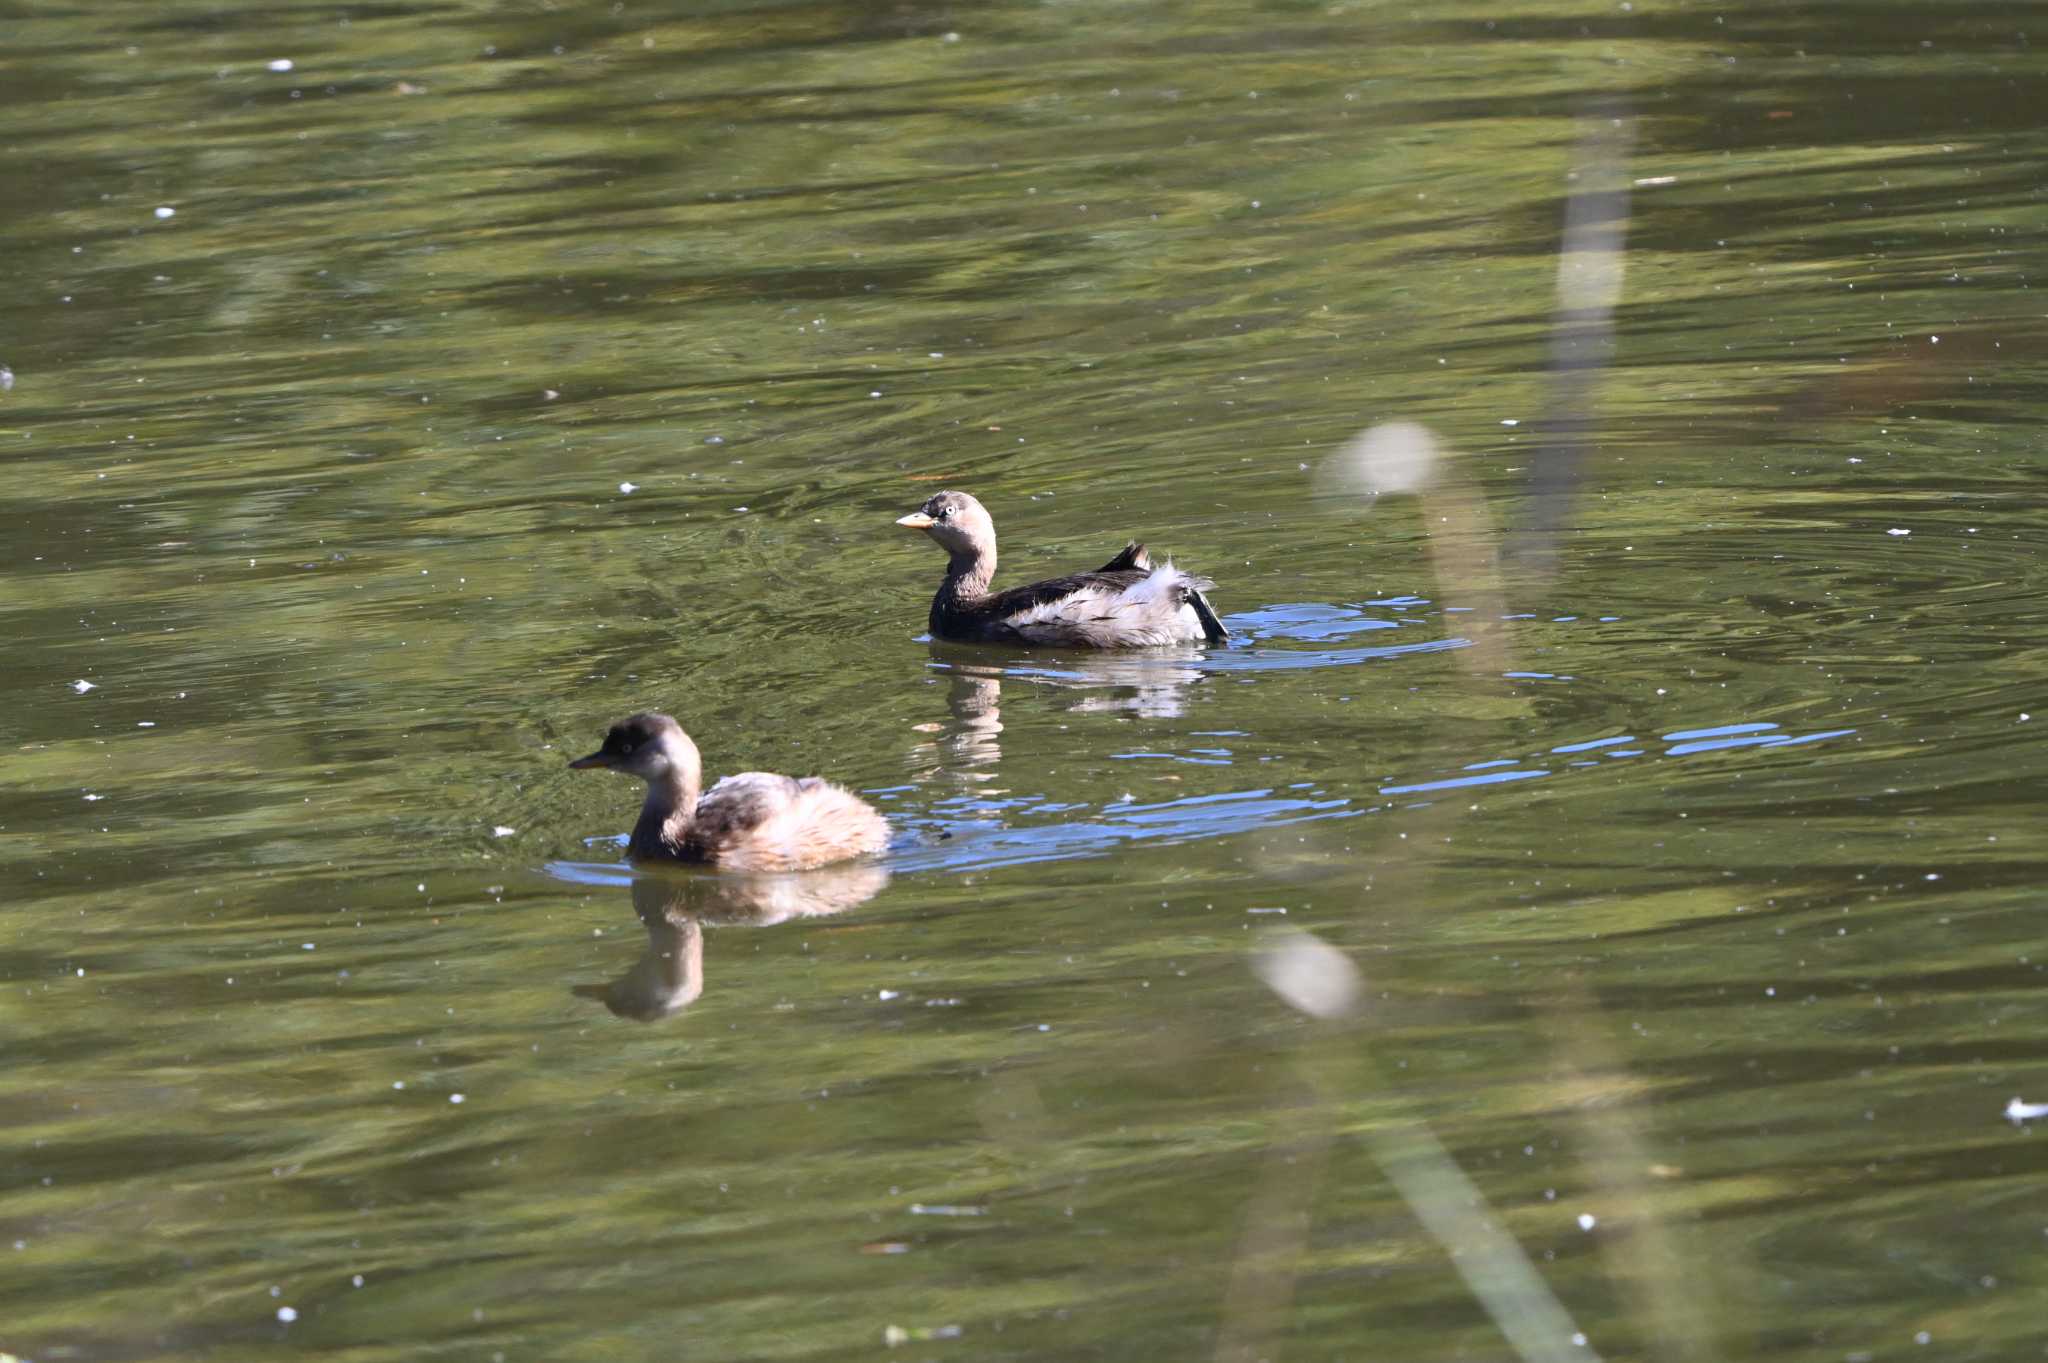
point(1132, 556)
point(1017, 600)
point(989, 619)
point(733, 809)
point(1211, 626)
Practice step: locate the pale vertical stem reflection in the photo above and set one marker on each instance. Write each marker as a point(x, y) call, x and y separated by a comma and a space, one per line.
point(1464, 553)
point(1321, 981)
point(1492, 1264)
point(1591, 264)
point(1679, 1303)
point(1676, 1302)
point(1260, 1293)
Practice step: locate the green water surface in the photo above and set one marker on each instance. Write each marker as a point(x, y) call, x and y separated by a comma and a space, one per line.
point(383, 427)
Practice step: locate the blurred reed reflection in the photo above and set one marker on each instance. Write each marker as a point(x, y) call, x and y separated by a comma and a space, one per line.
point(1479, 560)
point(674, 907)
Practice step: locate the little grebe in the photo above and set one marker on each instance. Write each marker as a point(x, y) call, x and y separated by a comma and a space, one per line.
point(754, 821)
point(1126, 603)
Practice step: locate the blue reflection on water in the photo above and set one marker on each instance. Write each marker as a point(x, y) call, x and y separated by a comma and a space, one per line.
point(939, 841)
point(1741, 741)
point(1683, 735)
point(1592, 743)
point(947, 845)
point(973, 831)
point(1313, 622)
point(1286, 659)
point(1491, 778)
point(1750, 734)
point(1309, 621)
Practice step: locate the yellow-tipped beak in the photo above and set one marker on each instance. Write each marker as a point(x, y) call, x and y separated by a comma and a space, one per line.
point(916, 520)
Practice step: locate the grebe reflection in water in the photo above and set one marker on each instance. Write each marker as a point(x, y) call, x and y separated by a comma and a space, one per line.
point(674, 909)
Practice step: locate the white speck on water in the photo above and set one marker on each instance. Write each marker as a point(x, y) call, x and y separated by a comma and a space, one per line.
point(886, 994)
point(455, 1097)
point(421, 887)
point(1509, 421)
point(629, 488)
point(714, 440)
point(875, 393)
point(145, 724)
point(1649, 180)
point(739, 508)
point(398, 1083)
point(6, 379)
point(1934, 340)
point(287, 1314)
point(1579, 1338)
point(356, 1281)
point(81, 972)
point(1923, 1337)
point(938, 354)
point(1587, 1221)
point(2019, 1110)
point(280, 64)
point(81, 686)
point(305, 946)
point(501, 831)
point(1896, 531)
point(166, 212)
point(93, 799)
point(1044, 1027)
point(1771, 991)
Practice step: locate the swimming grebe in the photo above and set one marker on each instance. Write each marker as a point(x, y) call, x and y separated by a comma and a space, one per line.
point(1126, 603)
point(753, 821)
